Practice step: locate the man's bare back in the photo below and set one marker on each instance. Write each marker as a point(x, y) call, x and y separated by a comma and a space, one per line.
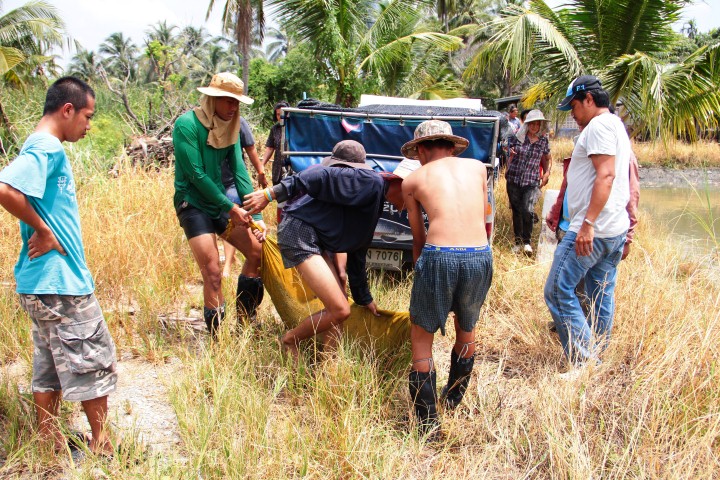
point(453, 193)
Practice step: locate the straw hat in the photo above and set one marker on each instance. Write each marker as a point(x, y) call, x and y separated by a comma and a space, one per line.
point(433, 130)
point(226, 84)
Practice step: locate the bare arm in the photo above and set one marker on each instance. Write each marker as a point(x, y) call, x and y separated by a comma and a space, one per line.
point(257, 201)
point(553, 217)
point(605, 175)
point(415, 218)
point(267, 154)
point(17, 204)
point(255, 160)
point(546, 164)
point(632, 205)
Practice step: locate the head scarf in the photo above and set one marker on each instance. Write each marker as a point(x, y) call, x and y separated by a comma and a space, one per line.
point(221, 133)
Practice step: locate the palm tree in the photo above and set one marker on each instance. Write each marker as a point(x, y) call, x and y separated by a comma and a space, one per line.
point(417, 69)
point(162, 50)
point(162, 32)
point(120, 56)
point(26, 34)
point(246, 19)
point(464, 22)
point(192, 39)
point(279, 46)
point(85, 64)
point(619, 41)
point(28, 30)
point(353, 39)
point(209, 60)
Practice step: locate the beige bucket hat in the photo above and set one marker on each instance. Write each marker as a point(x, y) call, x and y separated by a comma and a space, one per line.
point(532, 116)
point(226, 84)
point(535, 116)
point(433, 130)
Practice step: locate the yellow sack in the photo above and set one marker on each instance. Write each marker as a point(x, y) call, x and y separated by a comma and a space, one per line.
point(388, 332)
point(294, 301)
point(292, 298)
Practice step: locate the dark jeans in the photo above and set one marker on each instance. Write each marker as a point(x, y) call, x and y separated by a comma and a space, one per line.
point(522, 204)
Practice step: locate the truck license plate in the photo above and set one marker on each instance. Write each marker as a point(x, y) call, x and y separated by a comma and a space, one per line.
point(385, 259)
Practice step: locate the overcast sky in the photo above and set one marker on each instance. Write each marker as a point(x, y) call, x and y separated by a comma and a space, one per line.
point(92, 21)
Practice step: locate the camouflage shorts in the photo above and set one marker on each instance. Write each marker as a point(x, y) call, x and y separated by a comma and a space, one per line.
point(74, 351)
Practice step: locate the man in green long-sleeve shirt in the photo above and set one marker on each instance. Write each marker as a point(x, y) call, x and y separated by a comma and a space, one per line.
point(203, 139)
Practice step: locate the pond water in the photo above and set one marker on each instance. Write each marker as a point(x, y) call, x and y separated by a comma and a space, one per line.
point(685, 203)
point(692, 216)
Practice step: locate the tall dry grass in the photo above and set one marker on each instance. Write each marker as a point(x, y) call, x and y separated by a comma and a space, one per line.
point(673, 154)
point(651, 410)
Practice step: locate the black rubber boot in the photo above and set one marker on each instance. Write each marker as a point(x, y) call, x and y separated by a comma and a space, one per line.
point(423, 393)
point(250, 294)
point(213, 317)
point(460, 370)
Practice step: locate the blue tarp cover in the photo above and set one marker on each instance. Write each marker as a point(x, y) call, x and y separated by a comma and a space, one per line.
point(317, 132)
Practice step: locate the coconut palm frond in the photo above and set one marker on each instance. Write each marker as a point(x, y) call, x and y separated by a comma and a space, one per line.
point(522, 35)
point(9, 58)
point(398, 48)
point(613, 28)
point(36, 19)
point(26, 34)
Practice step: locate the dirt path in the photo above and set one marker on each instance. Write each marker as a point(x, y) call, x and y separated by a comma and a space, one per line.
point(141, 404)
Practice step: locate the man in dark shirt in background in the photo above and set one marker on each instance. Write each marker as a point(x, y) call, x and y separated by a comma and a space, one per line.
point(273, 148)
point(335, 208)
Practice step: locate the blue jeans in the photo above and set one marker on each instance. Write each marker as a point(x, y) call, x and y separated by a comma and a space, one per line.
point(232, 194)
point(583, 338)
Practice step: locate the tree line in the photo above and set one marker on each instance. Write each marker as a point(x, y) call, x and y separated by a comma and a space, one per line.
point(665, 81)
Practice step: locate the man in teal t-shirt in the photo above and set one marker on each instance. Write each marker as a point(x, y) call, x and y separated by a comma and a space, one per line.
point(74, 355)
point(203, 139)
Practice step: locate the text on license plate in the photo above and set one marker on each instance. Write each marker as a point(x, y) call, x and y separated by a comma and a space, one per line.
point(386, 259)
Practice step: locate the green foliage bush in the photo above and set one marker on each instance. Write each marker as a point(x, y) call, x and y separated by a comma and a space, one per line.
point(23, 109)
point(288, 80)
point(108, 136)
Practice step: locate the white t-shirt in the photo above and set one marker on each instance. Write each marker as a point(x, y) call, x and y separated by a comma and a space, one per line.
point(604, 135)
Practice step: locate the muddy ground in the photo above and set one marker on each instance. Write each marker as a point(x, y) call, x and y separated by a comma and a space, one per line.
point(651, 177)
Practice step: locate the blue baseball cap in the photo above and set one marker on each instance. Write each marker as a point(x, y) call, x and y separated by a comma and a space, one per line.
point(581, 84)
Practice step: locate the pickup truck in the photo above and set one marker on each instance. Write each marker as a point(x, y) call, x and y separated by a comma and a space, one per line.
point(311, 130)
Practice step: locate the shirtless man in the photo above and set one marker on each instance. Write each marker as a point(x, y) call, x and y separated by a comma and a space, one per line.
point(453, 268)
